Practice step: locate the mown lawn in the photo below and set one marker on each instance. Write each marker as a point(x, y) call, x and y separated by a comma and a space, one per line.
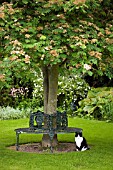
point(98, 134)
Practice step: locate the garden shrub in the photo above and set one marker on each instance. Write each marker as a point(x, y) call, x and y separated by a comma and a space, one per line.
point(71, 89)
point(11, 113)
point(18, 91)
point(98, 104)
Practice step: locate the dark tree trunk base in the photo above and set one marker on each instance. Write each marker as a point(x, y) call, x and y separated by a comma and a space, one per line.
point(46, 142)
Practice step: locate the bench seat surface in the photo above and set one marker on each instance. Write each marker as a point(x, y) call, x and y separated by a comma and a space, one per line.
point(47, 131)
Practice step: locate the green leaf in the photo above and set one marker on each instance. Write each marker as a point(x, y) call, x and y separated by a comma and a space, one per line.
point(110, 48)
point(29, 45)
point(73, 46)
point(25, 1)
point(63, 55)
point(43, 37)
point(94, 61)
point(90, 73)
point(83, 46)
point(111, 36)
point(90, 109)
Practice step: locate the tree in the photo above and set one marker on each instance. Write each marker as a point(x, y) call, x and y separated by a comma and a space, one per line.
point(52, 35)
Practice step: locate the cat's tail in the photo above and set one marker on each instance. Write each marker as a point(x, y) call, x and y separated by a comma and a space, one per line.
point(85, 148)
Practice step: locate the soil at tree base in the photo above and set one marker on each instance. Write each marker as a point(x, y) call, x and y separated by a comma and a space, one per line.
point(37, 148)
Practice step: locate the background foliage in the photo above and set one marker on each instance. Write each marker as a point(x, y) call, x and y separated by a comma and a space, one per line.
point(71, 89)
point(98, 104)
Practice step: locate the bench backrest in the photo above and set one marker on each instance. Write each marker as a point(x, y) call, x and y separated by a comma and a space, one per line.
point(38, 118)
point(61, 120)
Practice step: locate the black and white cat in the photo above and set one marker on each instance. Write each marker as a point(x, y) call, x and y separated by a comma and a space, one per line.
point(81, 143)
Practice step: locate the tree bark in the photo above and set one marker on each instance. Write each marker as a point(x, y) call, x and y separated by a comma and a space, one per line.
point(50, 85)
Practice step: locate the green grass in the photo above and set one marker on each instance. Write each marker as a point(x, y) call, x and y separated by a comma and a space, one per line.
point(98, 134)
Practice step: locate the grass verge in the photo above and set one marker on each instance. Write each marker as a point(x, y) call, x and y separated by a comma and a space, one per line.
point(98, 134)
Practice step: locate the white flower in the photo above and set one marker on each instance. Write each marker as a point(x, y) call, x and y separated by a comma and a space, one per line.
point(87, 67)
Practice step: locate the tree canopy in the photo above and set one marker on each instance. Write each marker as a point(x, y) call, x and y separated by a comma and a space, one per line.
point(77, 34)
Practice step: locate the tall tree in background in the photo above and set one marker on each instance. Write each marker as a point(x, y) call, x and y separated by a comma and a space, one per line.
point(52, 35)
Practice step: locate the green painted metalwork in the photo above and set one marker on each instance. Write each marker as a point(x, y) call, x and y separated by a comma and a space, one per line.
point(41, 123)
point(36, 120)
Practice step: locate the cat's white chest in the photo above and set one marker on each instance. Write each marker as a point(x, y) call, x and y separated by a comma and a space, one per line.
point(78, 140)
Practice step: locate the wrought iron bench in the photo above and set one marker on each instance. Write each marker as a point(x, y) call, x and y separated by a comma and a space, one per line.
point(41, 123)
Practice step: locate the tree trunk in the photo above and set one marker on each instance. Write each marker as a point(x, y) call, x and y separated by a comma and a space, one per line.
point(50, 84)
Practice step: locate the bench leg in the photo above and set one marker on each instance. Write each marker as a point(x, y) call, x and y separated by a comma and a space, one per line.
point(51, 148)
point(51, 135)
point(17, 141)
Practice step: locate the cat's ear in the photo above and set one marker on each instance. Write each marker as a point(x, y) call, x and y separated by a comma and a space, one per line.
point(76, 134)
point(80, 134)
